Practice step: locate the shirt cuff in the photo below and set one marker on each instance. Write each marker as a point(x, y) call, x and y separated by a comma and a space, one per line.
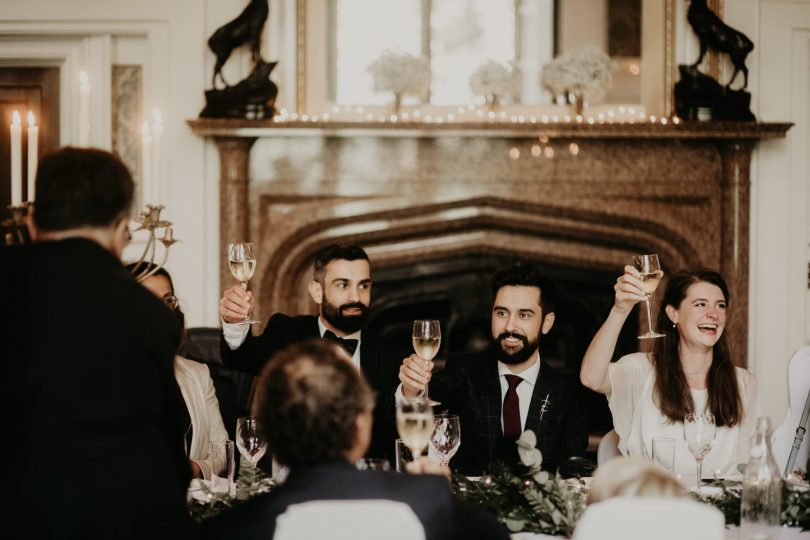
point(399, 397)
point(235, 334)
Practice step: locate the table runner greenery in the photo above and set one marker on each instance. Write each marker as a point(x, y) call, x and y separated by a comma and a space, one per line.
point(530, 501)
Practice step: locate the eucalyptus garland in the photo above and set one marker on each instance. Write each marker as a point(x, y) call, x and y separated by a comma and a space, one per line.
point(795, 504)
point(251, 482)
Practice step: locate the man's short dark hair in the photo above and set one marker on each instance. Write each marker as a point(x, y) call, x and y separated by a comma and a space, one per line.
point(308, 398)
point(81, 187)
point(333, 252)
point(526, 275)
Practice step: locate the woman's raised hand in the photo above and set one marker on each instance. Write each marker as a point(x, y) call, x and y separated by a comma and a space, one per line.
point(629, 290)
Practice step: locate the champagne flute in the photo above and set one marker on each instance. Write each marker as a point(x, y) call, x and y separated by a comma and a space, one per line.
point(650, 274)
point(415, 424)
point(249, 441)
point(427, 337)
point(699, 431)
point(242, 262)
point(446, 437)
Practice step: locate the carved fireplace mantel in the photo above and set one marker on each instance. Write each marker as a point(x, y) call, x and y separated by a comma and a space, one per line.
point(574, 195)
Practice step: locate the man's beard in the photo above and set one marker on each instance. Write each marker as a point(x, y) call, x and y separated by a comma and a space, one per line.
point(345, 323)
point(511, 355)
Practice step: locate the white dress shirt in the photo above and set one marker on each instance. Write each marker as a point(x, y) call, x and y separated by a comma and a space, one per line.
point(235, 335)
point(524, 390)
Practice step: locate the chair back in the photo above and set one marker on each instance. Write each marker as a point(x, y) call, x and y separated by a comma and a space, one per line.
point(608, 447)
point(643, 518)
point(798, 388)
point(349, 520)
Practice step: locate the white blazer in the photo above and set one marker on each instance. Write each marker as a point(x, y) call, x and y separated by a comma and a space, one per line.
point(198, 392)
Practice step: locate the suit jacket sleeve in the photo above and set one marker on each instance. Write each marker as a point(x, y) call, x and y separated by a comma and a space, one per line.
point(255, 351)
point(575, 427)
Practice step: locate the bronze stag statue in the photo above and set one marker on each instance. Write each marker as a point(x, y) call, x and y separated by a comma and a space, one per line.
point(699, 96)
point(246, 28)
point(254, 96)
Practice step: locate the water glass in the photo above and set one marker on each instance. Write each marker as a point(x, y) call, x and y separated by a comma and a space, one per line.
point(222, 463)
point(663, 453)
point(403, 455)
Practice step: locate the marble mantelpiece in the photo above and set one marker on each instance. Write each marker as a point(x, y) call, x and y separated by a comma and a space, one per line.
point(574, 194)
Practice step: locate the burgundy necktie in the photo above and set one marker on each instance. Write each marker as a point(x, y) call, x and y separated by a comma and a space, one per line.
point(511, 409)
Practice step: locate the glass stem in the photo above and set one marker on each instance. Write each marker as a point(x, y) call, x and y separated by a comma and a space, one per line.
point(244, 288)
point(700, 475)
point(649, 314)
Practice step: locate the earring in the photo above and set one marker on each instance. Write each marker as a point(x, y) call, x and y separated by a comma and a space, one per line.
point(674, 325)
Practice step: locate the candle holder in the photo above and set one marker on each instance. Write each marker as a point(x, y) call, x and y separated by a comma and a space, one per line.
point(15, 230)
point(151, 221)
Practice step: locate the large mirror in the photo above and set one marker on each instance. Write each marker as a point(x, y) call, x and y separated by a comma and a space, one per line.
point(339, 39)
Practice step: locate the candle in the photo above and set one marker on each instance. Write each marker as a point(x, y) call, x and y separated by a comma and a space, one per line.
point(146, 164)
point(157, 132)
point(33, 150)
point(16, 160)
point(84, 109)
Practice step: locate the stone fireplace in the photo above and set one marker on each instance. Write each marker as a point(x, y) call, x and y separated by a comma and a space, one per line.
point(439, 207)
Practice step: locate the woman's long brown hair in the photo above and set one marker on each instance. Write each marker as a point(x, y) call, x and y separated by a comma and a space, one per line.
point(671, 392)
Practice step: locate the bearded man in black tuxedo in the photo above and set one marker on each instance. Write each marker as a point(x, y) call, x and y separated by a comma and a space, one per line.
point(341, 287)
point(88, 393)
point(507, 389)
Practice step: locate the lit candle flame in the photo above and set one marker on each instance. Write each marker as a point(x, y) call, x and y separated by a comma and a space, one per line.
point(31, 121)
point(15, 118)
point(84, 80)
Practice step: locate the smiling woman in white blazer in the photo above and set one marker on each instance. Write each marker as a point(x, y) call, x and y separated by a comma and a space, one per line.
point(205, 420)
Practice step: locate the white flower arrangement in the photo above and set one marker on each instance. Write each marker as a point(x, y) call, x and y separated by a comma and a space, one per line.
point(494, 79)
point(586, 71)
point(401, 73)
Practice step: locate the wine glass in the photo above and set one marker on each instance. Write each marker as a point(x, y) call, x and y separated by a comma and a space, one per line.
point(242, 262)
point(699, 431)
point(446, 437)
point(427, 337)
point(249, 440)
point(650, 274)
point(415, 423)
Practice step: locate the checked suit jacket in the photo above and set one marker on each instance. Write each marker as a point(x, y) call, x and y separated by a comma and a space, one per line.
point(469, 386)
point(379, 361)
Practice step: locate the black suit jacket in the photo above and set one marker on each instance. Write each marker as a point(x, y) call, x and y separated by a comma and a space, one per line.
point(379, 361)
point(469, 386)
point(88, 398)
point(429, 496)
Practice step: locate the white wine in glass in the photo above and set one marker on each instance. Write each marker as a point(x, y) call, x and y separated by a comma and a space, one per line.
point(427, 338)
point(415, 424)
point(242, 263)
point(650, 274)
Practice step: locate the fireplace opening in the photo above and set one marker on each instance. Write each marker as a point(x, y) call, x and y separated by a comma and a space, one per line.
point(457, 292)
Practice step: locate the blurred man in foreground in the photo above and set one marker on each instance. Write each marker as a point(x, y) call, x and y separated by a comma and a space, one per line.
point(92, 409)
point(315, 409)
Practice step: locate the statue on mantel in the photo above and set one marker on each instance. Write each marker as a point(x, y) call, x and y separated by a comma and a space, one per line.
point(254, 96)
point(697, 95)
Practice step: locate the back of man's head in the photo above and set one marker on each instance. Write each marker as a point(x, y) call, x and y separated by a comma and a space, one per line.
point(526, 275)
point(308, 401)
point(81, 188)
point(343, 251)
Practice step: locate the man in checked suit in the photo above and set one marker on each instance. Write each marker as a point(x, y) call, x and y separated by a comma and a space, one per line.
point(507, 389)
point(341, 287)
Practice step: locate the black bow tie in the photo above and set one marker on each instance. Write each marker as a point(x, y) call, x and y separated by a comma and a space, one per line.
point(349, 344)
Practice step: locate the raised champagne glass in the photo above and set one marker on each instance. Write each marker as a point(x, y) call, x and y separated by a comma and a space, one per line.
point(242, 263)
point(427, 338)
point(415, 424)
point(650, 274)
